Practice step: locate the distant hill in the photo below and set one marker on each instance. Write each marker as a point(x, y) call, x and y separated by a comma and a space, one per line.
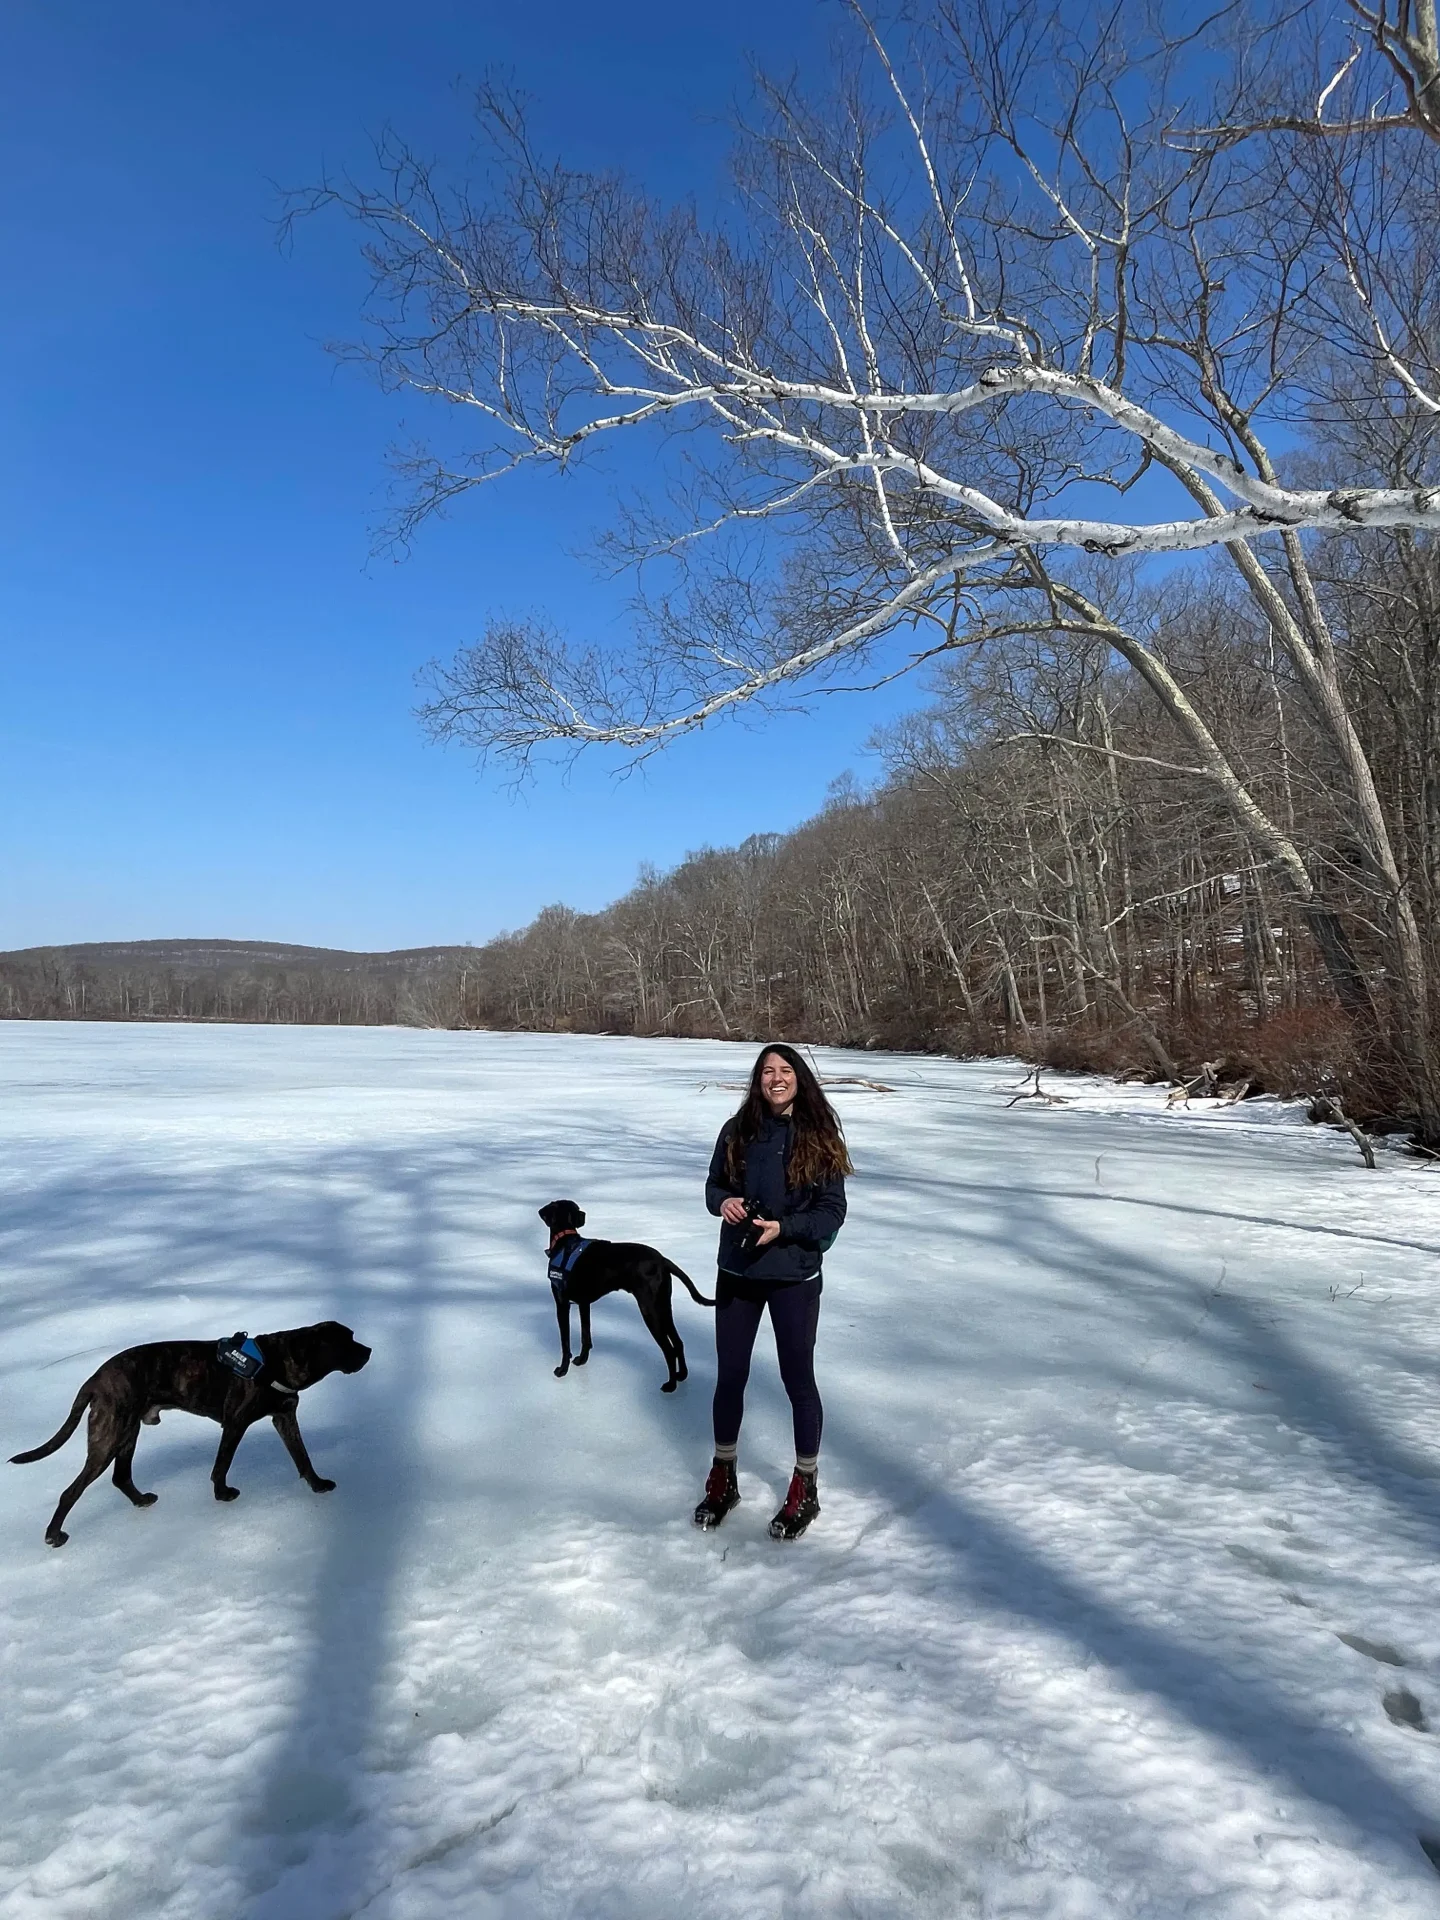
point(232, 953)
point(260, 980)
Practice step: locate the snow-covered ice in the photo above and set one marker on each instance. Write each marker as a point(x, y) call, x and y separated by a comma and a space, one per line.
point(1123, 1601)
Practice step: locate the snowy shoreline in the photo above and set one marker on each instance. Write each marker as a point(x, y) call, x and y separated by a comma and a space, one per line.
point(1122, 1602)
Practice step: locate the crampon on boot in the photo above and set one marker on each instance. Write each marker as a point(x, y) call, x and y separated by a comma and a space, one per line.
point(802, 1503)
point(722, 1492)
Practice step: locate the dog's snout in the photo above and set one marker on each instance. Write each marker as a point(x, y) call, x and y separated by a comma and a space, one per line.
point(359, 1355)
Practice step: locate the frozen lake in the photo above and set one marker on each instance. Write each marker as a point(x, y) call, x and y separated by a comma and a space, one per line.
point(1123, 1601)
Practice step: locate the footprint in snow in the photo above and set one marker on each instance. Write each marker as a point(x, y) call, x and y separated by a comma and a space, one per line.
point(1373, 1649)
point(1404, 1710)
point(1401, 1707)
point(1273, 1565)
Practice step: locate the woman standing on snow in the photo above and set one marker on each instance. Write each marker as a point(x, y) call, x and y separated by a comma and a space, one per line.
point(777, 1181)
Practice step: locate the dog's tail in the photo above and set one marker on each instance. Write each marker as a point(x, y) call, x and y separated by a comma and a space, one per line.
point(56, 1441)
point(687, 1282)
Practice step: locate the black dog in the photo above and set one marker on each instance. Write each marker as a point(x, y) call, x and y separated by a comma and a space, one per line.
point(137, 1385)
point(610, 1266)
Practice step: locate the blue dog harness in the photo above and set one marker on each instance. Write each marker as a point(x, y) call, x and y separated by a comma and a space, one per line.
point(562, 1258)
point(241, 1355)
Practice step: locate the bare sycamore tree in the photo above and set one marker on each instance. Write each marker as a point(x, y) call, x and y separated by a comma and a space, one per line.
point(1023, 303)
point(1312, 77)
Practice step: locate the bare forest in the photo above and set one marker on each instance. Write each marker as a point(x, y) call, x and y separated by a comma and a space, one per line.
point(1037, 875)
point(1093, 354)
point(266, 982)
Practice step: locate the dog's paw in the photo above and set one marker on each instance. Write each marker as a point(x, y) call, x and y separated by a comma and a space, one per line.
point(581, 1358)
point(560, 1372)
point(147, 1499)
point(670, 1386)
point(56, 1539)
point(227, 1493)
point(322, 1486)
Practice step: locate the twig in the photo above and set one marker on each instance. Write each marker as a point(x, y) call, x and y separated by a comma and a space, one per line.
point(1037, 1092)
point(1337, 1113)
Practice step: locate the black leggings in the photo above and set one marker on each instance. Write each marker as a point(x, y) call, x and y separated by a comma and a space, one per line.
point(794, 1312)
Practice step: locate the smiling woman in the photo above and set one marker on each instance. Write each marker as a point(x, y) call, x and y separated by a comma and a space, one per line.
point(777, 1181)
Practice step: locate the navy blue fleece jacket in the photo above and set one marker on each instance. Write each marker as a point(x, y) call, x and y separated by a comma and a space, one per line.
point(807, 1215)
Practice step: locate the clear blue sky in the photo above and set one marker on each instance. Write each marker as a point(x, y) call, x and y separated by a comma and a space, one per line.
point(205, 721)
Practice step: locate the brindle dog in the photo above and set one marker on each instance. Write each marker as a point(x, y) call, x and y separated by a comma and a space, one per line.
point(136, 1386)
point(611, 1266)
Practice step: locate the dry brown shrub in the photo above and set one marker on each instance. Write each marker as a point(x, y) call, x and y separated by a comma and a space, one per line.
point(1084, 1050)
point(1300, 1052)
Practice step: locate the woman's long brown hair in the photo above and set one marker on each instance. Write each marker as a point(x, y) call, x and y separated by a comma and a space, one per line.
point(817, 1149)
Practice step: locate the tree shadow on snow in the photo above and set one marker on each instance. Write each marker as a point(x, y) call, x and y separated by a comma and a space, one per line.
point(1183, 1320)
point(370, 1237)
point(995, 1568)
point(1100, 1288)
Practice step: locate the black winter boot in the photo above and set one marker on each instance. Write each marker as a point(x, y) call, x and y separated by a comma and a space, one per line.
point(722, 1492)
point(802, 1503)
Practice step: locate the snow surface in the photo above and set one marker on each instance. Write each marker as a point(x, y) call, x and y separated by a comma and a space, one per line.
point(1130, 1529)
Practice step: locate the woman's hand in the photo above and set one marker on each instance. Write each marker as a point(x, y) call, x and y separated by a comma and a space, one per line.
point(769, 1230)
point(732, 1211)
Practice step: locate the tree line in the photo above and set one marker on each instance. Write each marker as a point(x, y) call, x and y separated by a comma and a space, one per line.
point(1040, 873)
point(226, 980)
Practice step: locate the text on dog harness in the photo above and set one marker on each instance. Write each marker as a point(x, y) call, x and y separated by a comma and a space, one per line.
point(241, 1355)
point(561, 1259)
